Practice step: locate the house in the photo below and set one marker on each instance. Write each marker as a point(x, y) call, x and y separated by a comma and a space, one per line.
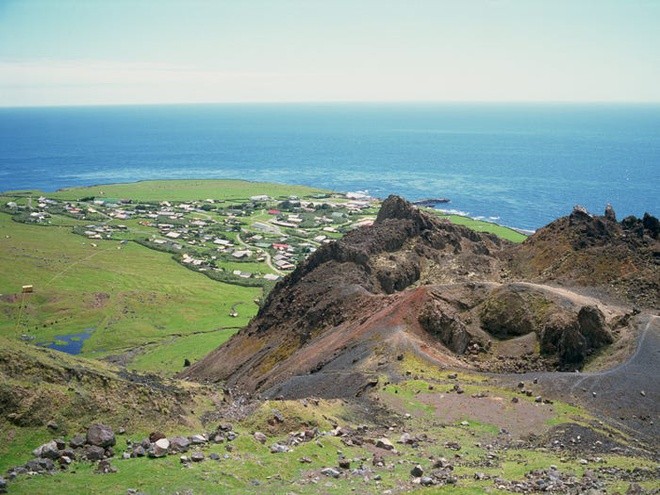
point(173, 235)
point(280, 247)
point(260, 197)
point(241, 254)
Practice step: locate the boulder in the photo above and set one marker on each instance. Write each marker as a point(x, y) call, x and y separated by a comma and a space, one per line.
point(101, 436)
point(331, 472)
point(260, 437)
point(179, 444)
point(159, 448)
point(48, 450)
point(417, 471)
point(197, 456)
point(447, 327)
point(94, 453)
point(384, 443)
point(593, 327)
point(77, 441)
point(156, 435)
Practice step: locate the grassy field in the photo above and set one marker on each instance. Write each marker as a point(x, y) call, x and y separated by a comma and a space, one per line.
point(483, 226)
point(128, 294)
point(185, 190)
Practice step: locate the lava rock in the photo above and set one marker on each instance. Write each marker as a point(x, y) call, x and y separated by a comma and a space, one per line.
point(100, 435)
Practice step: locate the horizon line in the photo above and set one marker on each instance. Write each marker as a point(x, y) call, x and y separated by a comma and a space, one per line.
point(340, 102)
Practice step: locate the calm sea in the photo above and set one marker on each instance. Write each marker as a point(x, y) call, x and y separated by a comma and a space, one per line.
point(521, 165)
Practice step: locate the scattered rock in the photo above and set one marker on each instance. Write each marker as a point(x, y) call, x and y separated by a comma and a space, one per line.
point(104, 467)
point(77, 441)
point(101, 436)
point(94, 453)
point(260, 437)
point(48, 450)
point(330, 472)
point(159, 448)
point(179, 444)
point(344, 463)
point(384, 443)
point(278, 448)
point(417, 471)
point(3, 485)
point(427, 481)
point(156, 435)
point(197, 456)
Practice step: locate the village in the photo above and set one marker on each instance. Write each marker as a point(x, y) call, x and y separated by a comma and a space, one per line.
point(251, 242)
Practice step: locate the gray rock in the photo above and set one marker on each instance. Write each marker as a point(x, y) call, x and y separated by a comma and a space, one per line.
point(159, 448)
point(139, 451)
point(384, 443)
point(260, 437)
point(197, 456)
point(278, 448)
point(77, 441)
point(198, 439)
point(344, 463)
point(100, 435)
point(427, 481)
point(214, 457)
point(179, 444)
point(48, 450)
point(184, 459)
point(104, 467)
point(94, 453)
point(3, 485)
point(330, 472)
point(65, 460)
point(417, 471)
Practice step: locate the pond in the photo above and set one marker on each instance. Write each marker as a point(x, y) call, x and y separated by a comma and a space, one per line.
point(71, 343)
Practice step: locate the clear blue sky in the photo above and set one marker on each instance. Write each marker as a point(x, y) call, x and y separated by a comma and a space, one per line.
point(66, 52)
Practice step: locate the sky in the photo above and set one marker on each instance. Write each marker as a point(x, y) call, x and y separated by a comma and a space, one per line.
point(104, 52)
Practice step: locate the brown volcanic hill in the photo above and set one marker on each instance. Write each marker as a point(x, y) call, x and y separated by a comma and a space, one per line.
point(595, 251)
point(415, 283)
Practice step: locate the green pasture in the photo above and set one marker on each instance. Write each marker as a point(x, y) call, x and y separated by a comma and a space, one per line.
point(489, 227)
point(129, 295)
point(184, 190)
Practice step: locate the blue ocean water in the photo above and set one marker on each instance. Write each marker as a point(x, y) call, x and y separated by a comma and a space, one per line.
point(519, 164)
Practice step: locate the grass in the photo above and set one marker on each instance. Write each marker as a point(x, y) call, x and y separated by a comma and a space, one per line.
point(185, 190)
point(168, 356)
point(130, 296)
point(483, 226)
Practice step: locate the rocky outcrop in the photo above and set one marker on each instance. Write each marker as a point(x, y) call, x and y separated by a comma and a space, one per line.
point(413, 280)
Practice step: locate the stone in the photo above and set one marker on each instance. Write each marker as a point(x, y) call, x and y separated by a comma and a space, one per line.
point(3, 485)
point(330, 472)
point(197, 456)
point(179, 444)
point(453, 445)
point(156, 435)
point(94, 453)
point(139, 451)
point(48, 450)
point(198, 439)
point(538, 398)
point(65, 460)
point(278, 448)
point(214, 457)
point(260, 437)
point(159, 448)
point(377, 460)
point(77, 441)
point(344, 463)
point(427, 481)
point(52, 425)
point(184, 459)
point(452, 376)
point(384, 443)
point(225, 427)
point(104, 467)
point(100, 435)
point(417, 471)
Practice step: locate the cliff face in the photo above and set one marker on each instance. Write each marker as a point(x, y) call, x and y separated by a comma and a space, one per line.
point(415, 283)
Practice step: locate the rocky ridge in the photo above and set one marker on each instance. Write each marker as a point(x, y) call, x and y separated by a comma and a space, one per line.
point(415, 283)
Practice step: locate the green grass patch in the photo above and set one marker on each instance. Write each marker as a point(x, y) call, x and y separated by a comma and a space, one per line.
point(168, 356)
point(185, 190)
point(130, 296)
point(483, 226)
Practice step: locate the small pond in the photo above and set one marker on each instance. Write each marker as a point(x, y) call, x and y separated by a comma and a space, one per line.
point(70, 343)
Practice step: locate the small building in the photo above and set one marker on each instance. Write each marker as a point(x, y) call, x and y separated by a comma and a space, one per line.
point(28, 289)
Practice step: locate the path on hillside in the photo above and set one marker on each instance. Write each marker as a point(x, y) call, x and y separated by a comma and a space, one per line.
point(628, 395)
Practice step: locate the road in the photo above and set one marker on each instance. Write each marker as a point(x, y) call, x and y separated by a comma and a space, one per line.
point(628, 395)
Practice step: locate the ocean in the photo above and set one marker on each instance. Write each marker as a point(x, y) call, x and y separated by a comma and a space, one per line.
point(520, 165)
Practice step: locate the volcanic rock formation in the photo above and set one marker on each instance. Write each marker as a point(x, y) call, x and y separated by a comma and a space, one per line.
point(413, 283)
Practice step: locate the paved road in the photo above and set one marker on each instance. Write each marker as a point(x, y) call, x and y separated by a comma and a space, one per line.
point(627, 396)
